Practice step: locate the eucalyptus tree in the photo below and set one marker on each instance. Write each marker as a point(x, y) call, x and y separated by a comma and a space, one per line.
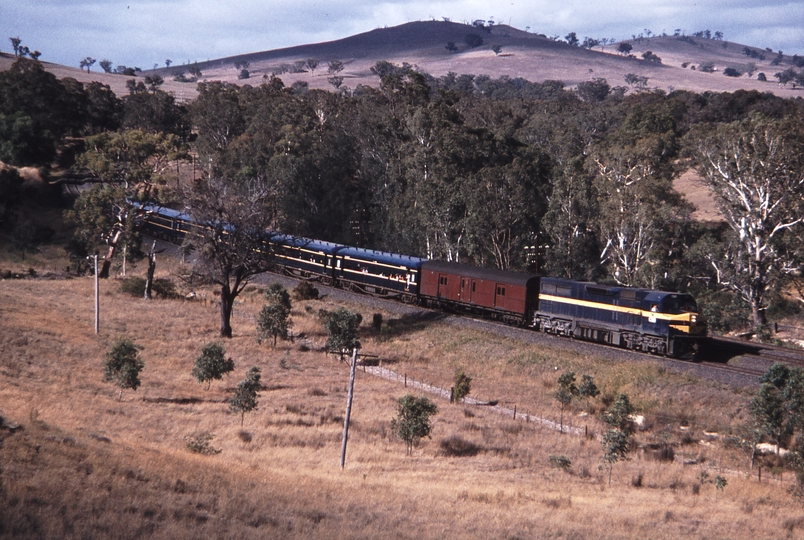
point(755, 170)
point(231, 250)
point(642, 217)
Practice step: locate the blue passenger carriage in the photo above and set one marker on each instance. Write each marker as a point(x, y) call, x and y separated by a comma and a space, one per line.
point(303, 257)
point(379, 273)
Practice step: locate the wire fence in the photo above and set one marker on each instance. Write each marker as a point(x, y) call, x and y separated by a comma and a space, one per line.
point(444, 393)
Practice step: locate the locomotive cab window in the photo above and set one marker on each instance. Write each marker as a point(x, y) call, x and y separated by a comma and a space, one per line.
point(683, 304)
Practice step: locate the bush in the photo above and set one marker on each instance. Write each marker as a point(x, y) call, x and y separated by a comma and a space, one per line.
point(200, 444)
point(456, 446)
point(706, 67)
point(560, 462)
point(731, 72)
point(305, 291)
point(135, 286)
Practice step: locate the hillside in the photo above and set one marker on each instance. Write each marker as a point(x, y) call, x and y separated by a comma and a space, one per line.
point(531, 56)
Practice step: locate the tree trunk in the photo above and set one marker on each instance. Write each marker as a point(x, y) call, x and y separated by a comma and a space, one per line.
point(149, 278)
point(227, 301)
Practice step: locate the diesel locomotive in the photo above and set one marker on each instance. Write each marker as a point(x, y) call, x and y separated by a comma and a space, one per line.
point(657, 322)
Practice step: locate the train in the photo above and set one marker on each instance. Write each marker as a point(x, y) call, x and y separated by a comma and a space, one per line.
point(657, 322)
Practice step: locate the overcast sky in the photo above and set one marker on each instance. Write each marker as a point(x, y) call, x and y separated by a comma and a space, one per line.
point(143, 33)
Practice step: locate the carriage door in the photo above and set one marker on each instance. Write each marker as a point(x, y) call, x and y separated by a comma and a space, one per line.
point(442, 286)
point(463, 294)
point(499, 295)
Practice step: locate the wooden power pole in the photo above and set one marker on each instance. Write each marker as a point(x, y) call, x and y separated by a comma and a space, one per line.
point(348, 407)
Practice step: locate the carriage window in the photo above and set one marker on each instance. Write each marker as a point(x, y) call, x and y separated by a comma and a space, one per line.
point(473, 286)
point(442, 280)
point(500, 291)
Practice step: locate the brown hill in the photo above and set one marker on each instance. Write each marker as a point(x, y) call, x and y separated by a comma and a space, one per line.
point(531, 56)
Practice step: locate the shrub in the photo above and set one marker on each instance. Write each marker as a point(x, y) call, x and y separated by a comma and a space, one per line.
point(305, 291)
point(135, 286)
point(560, 462)
point(200, 444)
point(706, 67)
point(456, 446)
point(212, 364)
point(123, 365)
point(462, 385)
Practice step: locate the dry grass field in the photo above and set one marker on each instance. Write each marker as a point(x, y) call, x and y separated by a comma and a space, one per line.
point(87, 465)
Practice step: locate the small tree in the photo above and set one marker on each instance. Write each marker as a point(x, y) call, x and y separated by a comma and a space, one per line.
point(461, 386)
point(106, 65)
point(616, 444)
point(412, 421)
point(212, 364)
point(277, 294)
point(334, 67)
point(587, 389)
point(87, 62)
point(15, 44)
point(451, 47)
point(473, 40)
point(274, 321)
point(245, 395)
point(624, 48)
point(123, 365)
point(342, 327)
point(615, 448)
point(566, 391)
point(496, 48)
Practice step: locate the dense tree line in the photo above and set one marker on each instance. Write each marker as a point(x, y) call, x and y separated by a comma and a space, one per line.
point(494, 172)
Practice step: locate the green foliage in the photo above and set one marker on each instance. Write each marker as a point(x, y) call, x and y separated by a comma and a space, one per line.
point(473, 40)
point(200, 443)
point(462, 385)
point(123, 365)
point(618, 416)
point(565, 392)
point(274, 322)
point(212, 364)
point(245, 395)
point(342, 330)
point(720, 483)
point(135, 286)
point(560, 462)
point(616, 440)
point(277, 294)
point(778, 405)
point(413, 419)
point(587, 388)
point(594, 91)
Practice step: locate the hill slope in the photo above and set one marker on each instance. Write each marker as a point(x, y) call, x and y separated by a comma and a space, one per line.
point(528, 55)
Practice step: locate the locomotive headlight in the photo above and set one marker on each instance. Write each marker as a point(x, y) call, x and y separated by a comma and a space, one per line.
point(694, 318)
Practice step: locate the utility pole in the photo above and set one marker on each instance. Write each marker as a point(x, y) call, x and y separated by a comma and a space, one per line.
point(348, 407)
point(97, 301)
